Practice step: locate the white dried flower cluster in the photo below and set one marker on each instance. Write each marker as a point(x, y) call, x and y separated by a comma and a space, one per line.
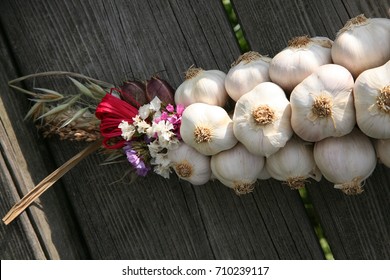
point(158, 129)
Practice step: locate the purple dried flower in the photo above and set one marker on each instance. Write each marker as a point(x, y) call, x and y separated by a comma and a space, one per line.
point(135, 160)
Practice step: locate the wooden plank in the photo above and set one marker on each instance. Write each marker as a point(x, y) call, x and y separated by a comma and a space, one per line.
point(20, 240)
point(356, 227)
point(49, 230)
point(153, 218)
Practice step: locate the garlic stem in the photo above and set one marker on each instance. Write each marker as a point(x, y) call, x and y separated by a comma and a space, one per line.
point(202, 134)
point(299, 42)
point(356, 21)
point(247, 57)
point(383, 100)
point(192, 72)
point(263, 115)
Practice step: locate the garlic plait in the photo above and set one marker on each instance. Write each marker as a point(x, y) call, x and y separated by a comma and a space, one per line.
point(383, 151)
point(322, 104)
point(190, 165)
point(249, 70)
point(261, 119)
point(301, 58)
point(237, 168)
point(372, 101)
point(363, 43)
point(346, 161)
point(294, 164)
point(207, 128)
point(202, 86)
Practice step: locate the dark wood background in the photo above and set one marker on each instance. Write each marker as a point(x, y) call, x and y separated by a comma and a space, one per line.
point(89, 214)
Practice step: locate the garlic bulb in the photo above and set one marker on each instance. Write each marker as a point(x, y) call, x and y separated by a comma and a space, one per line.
point(237, 168)
point(363, 43)
point(264, 174)
point(322, 104)
point(261, 119)
point(294, 164)
point(248, 71)
point(383, 151)
point(301, 58)
point(346, 161)
point(372, 101)
point(202, 86)
point(190, 165)
point(207, 128)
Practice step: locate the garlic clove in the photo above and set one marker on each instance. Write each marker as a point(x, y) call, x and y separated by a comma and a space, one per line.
point(207, 128)
point(202, 86)
point(363, 43)
point(301, 58)
point(322, 104)
point(261, 119)
point(346, 161)
point(249, 70)
point(237, 168)
point(190, 165)
point(294, 164)
point(372, 101)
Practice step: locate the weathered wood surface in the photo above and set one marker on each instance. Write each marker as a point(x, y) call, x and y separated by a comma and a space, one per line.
point(356, 227)
point(157, 218)
point(23, 163)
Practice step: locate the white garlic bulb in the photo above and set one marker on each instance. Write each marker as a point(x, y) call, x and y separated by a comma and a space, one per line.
point(202, 86)
point(363, 43)
point(294, 164)
point(322, 104)
point(301, 58)
point(248, 71)
point(190, 165)
point(261, 119)
point(346, 161)
point(372, 101)
point(237, 168)
point(383, 151)
point(207, 128)
point(264, 174)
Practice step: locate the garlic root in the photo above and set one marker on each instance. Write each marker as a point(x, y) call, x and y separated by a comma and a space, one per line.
point(351, 188)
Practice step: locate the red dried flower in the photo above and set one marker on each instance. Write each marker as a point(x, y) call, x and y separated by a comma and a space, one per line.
point(112, 111)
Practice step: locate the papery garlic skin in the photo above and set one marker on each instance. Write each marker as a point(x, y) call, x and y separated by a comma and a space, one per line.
point(202, 86)
point(294, 164)
point(383, 151)
point(237, 168)
point(261, 119)
point(301, 58)
point(248, 71)
point(190, 165)
point(372, 101)
point(363, 43)
point(346, 161)
point(207, 128)
point(322, 104)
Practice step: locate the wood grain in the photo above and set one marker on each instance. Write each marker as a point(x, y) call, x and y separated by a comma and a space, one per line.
point(49, 229)
point(356, 227)
point(152, 218)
